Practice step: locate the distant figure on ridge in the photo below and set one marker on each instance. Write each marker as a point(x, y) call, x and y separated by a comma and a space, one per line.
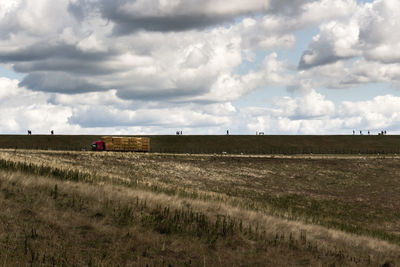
point(29, 132)
point(227, 132)
point(52, 132)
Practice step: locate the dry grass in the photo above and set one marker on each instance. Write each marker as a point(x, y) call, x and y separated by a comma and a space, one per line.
point(272, 208)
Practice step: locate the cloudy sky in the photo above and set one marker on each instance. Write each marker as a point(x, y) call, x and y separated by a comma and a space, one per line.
point(200, 66)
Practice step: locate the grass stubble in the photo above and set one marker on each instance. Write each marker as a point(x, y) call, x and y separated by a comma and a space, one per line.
point(100, 209)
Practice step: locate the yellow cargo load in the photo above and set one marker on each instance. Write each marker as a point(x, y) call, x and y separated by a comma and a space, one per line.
point(126, 143)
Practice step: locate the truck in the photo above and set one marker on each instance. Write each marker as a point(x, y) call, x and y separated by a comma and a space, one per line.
point(112, 143)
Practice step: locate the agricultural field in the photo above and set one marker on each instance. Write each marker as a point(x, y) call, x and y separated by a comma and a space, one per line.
point(231, 144)
point(118, 209)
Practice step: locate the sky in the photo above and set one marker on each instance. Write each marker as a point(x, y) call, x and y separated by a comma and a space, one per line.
point(199, 66)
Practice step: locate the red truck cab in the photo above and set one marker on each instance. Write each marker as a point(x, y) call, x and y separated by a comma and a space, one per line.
point(98, 146)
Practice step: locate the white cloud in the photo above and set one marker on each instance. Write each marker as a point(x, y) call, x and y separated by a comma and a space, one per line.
point(369, 33)
point(311, 113)
point(7, 7)
point(362, 71)
point(153, 66)
point(8, 88)
point(25, 110)
point(107, 98)
point(380, 113)
point(336, 40)
point(307, 112)
point(177, 66)
point(92, 44)
point(325, 10)
point(266, 33)
point(307, 106)
point(379, 22)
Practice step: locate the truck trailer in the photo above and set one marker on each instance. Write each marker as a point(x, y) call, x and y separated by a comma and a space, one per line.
point(111, 143)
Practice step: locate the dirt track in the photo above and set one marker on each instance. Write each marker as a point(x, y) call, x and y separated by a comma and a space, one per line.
point(296, 156)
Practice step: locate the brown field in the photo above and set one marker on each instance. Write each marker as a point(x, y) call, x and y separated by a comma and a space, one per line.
point(118, 209)
point(232, 144)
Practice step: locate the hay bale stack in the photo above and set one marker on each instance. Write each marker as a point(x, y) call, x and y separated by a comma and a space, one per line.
point(126, 143)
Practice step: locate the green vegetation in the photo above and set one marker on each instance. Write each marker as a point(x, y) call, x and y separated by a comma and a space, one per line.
point(84, 208)
point(231, 144)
